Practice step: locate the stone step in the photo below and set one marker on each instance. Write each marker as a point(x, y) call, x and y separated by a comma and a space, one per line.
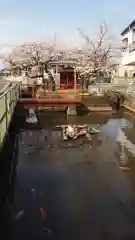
point(100, 108)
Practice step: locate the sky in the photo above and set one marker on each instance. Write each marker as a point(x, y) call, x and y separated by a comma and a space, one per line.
point(29, 20)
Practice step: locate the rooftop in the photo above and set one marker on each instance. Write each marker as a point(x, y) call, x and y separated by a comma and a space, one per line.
point(131, 25)
point(62, 62)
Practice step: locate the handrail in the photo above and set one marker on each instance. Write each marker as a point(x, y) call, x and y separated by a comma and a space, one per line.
point(8, 101)
point(5, 86)
point(9, 90)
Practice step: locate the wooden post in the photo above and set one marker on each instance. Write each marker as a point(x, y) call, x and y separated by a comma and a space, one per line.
point(71, 111)
point(6, 108)
point(57, 82)
point(56, 68)
point(74, 78)
point(33, 91)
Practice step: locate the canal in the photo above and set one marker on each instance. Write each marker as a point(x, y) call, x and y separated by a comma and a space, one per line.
point(77, 190)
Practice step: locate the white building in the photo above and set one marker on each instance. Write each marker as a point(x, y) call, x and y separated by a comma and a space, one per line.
point(124, 71)
point(128, 45)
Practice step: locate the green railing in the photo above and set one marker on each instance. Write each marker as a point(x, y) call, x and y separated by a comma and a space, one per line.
point(8, 101)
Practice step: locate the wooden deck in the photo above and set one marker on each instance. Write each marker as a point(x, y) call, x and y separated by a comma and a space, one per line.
point(48, 102)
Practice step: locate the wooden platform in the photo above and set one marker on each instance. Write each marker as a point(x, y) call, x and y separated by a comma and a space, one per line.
point(53, 102)
point(96, 103)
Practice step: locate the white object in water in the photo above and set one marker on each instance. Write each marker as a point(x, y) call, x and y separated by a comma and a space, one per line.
point(94, 130)
point(71, 111)
point(31, 120)
point(64, 134)
point(19, 214)
point(88, 136)
point(31, 111)
point(70, 129)
point(32, 117)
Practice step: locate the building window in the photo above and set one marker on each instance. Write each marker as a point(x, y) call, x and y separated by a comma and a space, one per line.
point(133, 35)
point(132, 45)
point(124, 44)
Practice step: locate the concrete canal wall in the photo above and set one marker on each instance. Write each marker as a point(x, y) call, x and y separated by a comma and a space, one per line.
point(8, 159)
point(96, 103)
point(129, 103)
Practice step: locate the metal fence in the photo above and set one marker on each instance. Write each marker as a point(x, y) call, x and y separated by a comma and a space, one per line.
point(104, 87)
point(8, 101)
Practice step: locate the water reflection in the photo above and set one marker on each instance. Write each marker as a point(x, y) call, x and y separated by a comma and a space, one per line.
point(77, 185)
point(127, 147)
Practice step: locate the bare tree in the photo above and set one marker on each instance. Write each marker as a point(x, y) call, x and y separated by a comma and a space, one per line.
point(97, 55)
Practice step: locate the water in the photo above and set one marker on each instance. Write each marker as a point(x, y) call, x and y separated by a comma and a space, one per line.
point(78, 191)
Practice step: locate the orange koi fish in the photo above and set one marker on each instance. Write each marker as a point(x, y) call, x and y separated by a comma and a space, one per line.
point(42, 213)
point(19, 214)
point(125, 169)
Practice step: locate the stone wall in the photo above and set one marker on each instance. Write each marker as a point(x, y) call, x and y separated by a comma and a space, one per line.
point(125, 101)
point(129, 103)
point(115, 97)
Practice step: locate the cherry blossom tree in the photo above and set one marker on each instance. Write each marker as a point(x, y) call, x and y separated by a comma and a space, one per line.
point(31, 54)
point(92, 59)
point(97, 55)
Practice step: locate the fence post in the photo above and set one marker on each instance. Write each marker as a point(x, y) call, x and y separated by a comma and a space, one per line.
point(0, 129)
point(16, 93)
point(33, 91)
point(6, 107)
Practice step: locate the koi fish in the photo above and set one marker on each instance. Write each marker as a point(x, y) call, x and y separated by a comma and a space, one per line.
point(19, 215)
point(125, 169)
point(33, 191)
point(42, 213)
